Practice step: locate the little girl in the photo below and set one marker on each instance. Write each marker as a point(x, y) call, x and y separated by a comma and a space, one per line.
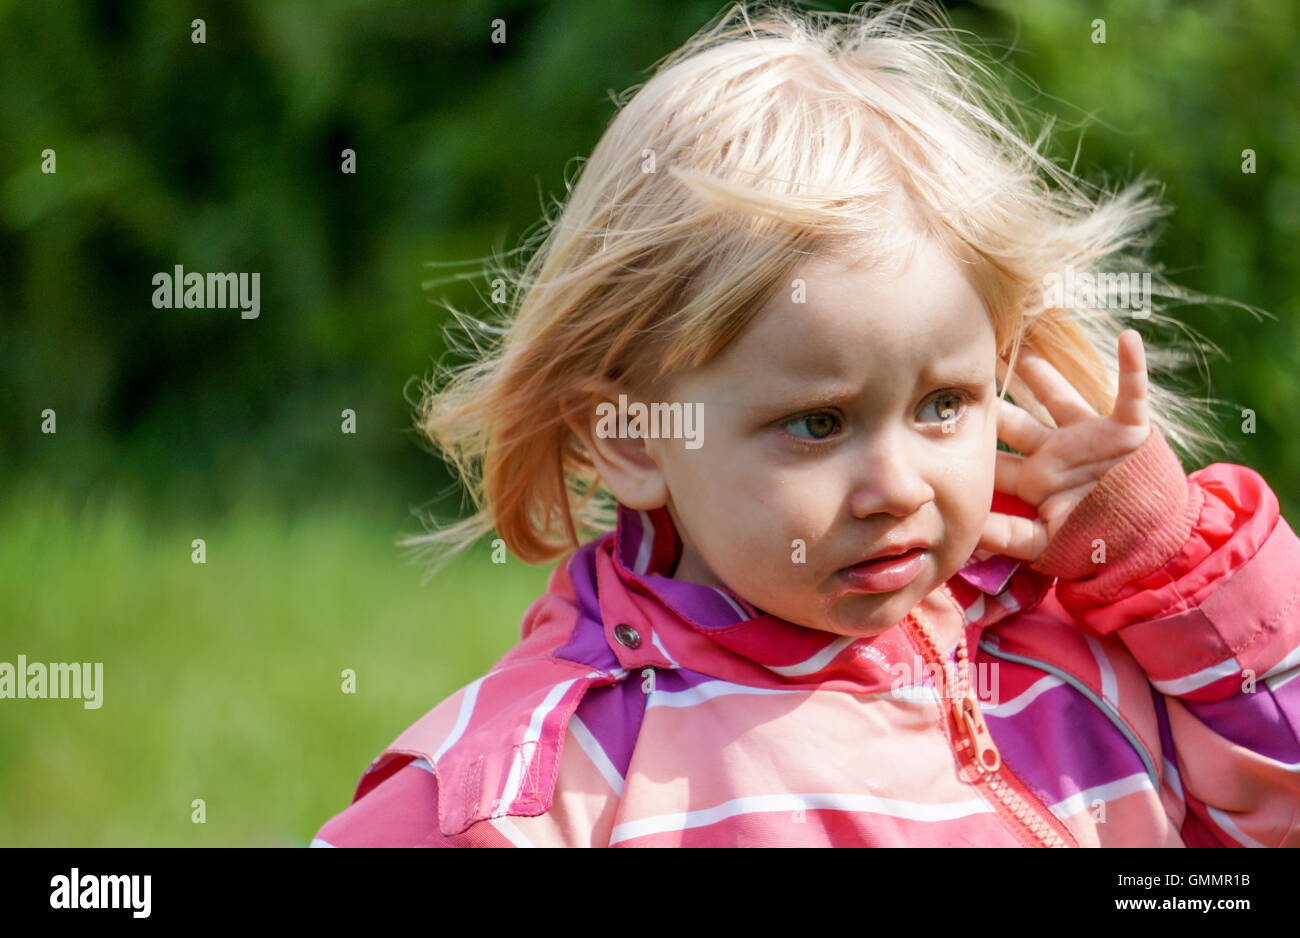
point(831, 611)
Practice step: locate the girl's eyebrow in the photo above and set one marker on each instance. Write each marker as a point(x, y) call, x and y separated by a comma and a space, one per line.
point(792, 398)
point(969, 373)
point(823, 398)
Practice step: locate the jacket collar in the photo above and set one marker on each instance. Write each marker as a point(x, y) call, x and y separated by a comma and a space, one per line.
point(495, 745)
point(714, 631)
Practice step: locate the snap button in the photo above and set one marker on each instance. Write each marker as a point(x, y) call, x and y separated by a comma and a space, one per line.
point(627, 636)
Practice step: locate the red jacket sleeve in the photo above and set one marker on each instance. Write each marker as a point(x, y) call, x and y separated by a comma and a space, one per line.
point(1199, 576)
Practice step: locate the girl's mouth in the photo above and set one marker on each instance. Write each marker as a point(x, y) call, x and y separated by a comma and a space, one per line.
point(886, 574)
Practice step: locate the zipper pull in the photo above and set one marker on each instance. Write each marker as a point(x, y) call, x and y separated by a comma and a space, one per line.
point(966, 715)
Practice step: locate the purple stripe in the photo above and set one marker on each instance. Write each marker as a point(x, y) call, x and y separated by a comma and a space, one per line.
point(631, 534)
point(703, 605)
point(587, 644)
point(1288, 701)
point(1166, 732)
point(681, 679)
point(991, 575)
point(613, 715)
point(1032, 745)
point(1263, 722)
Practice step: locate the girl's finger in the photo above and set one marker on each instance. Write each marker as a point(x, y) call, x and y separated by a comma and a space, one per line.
point(1020, 429)
point(1014, 536)
point(1056, 508)
point(1060, 398)
point(1131, 399)
point(1006, 473)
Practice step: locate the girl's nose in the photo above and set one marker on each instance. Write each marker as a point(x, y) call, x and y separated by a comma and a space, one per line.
point(888, 479)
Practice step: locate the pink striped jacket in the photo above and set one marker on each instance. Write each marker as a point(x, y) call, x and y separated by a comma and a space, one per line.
point(1156, 703)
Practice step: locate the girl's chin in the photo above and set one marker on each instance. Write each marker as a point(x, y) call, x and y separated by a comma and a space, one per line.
point(856, 613)
point(852, 612)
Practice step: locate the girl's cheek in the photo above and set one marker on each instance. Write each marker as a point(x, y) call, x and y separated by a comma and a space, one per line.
point(966, 472)
point(968, 492)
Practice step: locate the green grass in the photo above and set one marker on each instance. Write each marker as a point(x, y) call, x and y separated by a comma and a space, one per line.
point(222, 681)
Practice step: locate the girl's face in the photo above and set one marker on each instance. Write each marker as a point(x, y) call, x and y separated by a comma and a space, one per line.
point(824, 426)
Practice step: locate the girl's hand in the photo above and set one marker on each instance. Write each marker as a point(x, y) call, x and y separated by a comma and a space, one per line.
point(1062, 464)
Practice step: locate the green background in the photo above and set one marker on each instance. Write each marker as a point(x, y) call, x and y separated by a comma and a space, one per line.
point(222, 681)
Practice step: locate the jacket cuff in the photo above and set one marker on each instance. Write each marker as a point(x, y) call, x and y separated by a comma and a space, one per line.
point(1142, 514)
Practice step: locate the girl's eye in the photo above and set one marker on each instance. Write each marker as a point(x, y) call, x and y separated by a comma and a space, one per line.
point(819, 426)
point(948, 405)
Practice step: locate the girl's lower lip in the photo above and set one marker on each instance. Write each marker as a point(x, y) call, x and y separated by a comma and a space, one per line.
point(887, 575)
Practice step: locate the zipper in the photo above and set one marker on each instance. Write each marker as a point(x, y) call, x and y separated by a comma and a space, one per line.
point(1010, 791)
point(976, 750)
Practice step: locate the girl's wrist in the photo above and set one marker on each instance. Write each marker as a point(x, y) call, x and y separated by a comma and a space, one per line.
point(1134, 521)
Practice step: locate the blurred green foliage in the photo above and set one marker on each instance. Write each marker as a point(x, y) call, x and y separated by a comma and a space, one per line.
point(174, 424)
point(1179, 91)
point(223, 681)
point(226, 156)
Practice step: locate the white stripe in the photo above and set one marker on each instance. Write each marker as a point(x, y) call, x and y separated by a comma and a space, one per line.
point(690, 696)
point(1200, 679)
point(1174, 779)
point(462, 718)
point(1279, 681)
point(588, 743)
point(891, 807)
point(732, 603)
point(707, 691)
point(908, 693)
point(1031, 693)
point(647, 544)
point(1007, 601)
point(317, 842)
point(1083, 801)
point(1109, 685)
point(658, 644)
point(817, 661)
point(1231, 828)
point(422, 764)
point(525, 752)
point(976, 610)
point(512, 833)
point(1278, 673)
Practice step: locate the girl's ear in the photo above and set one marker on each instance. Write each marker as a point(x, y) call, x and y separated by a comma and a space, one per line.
point(627, 466)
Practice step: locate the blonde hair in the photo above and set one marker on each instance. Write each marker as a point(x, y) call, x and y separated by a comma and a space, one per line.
point(772, 135)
